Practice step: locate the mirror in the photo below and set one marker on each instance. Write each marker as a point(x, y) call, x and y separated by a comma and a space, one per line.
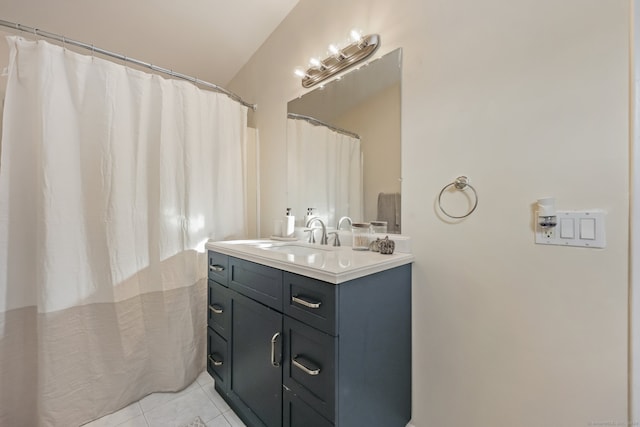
point(343, 146)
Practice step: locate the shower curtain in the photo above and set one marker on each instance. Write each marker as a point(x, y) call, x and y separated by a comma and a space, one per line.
point(325, 172)
point(111, 181)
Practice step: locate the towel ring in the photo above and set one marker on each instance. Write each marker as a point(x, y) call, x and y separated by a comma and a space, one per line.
point(461, 183)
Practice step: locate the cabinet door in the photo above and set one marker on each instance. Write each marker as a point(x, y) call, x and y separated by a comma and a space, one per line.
point(256, 377)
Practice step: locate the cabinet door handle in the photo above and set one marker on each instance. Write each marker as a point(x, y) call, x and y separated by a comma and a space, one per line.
point(307, 303)
point(216, 309)
point(217, 268)
point(274, 340)
point(215, 362)
point(297, 362)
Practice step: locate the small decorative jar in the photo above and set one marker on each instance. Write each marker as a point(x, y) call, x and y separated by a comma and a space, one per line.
point(379, 227)
point(361, 236)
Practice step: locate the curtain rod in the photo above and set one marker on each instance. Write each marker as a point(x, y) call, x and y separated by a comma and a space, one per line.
point(36, 32)
point(317, 122)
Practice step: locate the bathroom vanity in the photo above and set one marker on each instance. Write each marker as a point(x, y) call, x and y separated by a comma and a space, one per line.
point(300, 335)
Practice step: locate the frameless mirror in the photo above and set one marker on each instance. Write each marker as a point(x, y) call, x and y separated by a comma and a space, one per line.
point(343, 146)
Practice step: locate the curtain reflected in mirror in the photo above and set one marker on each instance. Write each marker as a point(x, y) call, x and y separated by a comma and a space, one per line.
point(346, 160)
point(328, 164)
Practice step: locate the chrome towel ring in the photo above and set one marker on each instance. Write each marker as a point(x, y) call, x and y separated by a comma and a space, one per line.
point(461, 183)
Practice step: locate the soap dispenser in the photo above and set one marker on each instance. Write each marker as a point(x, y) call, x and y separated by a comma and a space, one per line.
point(309, 216)
point(288, 225)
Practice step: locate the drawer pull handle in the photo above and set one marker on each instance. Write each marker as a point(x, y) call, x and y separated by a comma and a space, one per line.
point(217, 268)
point(216, 309)
point(274, 340)
point(305, 302)
point(213, 361)
point(310, 371)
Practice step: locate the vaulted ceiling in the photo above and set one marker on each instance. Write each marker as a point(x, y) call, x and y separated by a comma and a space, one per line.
point(207, 39)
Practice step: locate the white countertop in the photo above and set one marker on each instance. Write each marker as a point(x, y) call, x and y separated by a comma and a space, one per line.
point(330, 264)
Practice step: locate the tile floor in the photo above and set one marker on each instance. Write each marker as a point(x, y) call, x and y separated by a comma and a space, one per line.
point(200, 399)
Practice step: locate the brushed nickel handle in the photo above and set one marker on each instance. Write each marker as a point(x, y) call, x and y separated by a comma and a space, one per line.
point(217, 268)
point(297, 363)
point(307, 303)
point(216, 309)
point(274, 339)
point(215, 362)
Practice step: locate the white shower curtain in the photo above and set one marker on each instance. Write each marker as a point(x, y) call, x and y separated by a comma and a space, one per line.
point(325, 172)
point(111, 180)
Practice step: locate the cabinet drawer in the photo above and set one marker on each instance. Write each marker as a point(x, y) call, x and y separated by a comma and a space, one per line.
point(298, 413)
point(311, 301)
point(258, 282)
point(219, 309)
point(218, 267)
point(218, 359)
point(309, 366)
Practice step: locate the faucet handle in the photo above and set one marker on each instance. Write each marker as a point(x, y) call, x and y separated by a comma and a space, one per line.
point(336, 241)
point(312, 236)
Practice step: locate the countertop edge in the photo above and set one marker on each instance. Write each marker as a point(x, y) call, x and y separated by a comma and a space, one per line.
point(386, 262)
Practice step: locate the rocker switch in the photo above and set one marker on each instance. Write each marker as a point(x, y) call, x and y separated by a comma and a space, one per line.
point(588, 228)
point(566, 228)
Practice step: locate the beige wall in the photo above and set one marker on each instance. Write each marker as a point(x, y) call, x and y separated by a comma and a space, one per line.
point(528, 98)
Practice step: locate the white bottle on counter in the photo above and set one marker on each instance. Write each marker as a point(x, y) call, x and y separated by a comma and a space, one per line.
point(309, 216)
point(288, 225)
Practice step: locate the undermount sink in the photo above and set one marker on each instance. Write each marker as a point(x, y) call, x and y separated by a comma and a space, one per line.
point(294, 249)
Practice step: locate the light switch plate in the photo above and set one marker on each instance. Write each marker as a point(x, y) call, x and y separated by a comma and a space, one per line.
point(581, 228)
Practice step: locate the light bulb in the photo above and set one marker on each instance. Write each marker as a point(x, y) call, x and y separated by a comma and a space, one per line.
point(300, 73)
point(355, 35)
point(334, 49)
point(315, 62)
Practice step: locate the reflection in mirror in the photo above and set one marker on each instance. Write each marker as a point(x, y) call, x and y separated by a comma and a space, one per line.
point(343, 143)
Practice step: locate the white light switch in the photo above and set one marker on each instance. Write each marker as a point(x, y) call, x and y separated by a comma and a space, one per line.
point(566, 228)
point(588, 228)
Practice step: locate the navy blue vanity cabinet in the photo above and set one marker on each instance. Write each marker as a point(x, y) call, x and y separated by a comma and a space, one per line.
point(218, 357)
point(256, 371)
point(300, 352)
point(297, 413)
point(218, 267)
point(258, 282)
point(219, 309)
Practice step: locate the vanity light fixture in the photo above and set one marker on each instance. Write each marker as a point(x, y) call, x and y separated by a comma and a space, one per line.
point(340, 59)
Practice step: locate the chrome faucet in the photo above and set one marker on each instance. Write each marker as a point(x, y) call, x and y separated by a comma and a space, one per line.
point(323, 239)
point(344, 218)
